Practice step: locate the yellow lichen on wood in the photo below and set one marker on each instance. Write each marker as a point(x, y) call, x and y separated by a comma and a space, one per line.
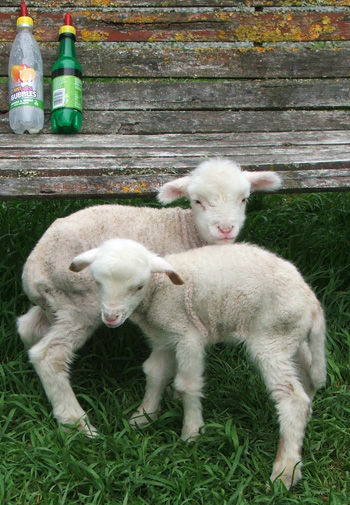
point(39, 32)
point(142, 19)
point(301, 3)
point(94, 35)
point(283, 29)
point(137, 188)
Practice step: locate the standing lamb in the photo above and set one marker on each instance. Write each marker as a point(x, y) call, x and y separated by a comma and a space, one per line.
point(66, 309)
point(235, 294)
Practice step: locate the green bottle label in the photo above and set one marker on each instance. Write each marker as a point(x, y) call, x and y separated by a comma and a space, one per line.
point(67, 92)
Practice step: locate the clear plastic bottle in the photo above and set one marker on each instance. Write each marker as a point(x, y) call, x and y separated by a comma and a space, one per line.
point(26, 94)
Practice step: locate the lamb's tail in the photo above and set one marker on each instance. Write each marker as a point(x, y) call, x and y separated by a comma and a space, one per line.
point(317, 344)
point(32, 326)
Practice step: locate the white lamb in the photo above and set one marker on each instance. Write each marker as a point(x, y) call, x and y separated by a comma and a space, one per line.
point(236, 294)
point(66, 310)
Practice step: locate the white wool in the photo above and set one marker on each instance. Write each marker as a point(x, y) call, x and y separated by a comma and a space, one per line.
point(235, 294)
point(67, 309)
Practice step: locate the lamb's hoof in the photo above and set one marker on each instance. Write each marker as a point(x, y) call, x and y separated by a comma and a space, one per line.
point(141, 419)
point(84, 426)
point(189, 435)
point(288, 477)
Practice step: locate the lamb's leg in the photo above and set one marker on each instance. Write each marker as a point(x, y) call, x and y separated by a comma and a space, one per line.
point(189, 383)
point(32, 326)
point(293, 406)
point(159, 368)
point(304, 360)
point(51, 358)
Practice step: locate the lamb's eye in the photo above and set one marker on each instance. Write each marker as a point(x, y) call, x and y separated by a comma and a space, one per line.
point(198, 202)
point(139, 288)
point(245, 200)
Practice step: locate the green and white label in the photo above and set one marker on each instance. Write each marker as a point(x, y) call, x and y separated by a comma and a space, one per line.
point(67, 92)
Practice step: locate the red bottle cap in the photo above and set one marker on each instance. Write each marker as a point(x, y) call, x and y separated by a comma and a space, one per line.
point(68, 19)
point(24, 19)
point(24, 9)
point(67, 27)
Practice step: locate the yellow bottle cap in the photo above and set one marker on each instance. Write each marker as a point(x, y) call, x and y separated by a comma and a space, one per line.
point(24, 20)
point(67, 29)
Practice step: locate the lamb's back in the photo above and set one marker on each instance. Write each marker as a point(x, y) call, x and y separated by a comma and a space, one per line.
point(233, 288)
point(47, 267)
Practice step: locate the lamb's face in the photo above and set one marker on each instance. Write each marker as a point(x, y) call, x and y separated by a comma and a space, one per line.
point(122, 286)
point(122, 269)
point(218, 201)
point(218, 190)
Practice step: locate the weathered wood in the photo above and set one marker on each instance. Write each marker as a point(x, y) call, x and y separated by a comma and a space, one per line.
point(260, 81)
point(199, 60)
point(188, 24)
point(31, 145)
point(160, 122)
point(145, 186)
point(119, 4)
point(111, 165)
point(207, 95)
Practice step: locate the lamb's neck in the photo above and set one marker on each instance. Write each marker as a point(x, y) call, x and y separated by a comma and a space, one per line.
point(177, 232)
point(139, 316)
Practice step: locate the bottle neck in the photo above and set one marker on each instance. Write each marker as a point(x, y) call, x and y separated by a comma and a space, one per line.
point(67, 45)
point(24, 28)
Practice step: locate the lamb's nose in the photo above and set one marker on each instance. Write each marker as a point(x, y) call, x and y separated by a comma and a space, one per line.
point(225, 230)
point(111, 321)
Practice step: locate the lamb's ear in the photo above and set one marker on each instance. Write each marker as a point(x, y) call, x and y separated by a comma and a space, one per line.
point(159, 265)
point(83, 260)
point(173, 190)
point(268, 181)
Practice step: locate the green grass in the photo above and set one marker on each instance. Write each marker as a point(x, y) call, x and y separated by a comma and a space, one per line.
point(231, 462)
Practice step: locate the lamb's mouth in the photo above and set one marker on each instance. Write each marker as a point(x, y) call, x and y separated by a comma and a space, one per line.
point(113, 322)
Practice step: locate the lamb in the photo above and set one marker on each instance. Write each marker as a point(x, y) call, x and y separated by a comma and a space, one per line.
point(235, 293)
point(66, 309)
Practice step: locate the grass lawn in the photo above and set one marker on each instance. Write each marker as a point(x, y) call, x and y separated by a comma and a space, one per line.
point(231, 462)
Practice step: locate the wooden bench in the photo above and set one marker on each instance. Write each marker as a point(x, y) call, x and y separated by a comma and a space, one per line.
point(168, 83)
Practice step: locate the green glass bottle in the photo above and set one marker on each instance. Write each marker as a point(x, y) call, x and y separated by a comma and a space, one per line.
point(66, 98)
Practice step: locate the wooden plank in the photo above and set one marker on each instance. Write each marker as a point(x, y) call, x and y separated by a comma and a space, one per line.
point(120, 4)
point(207, 95)
point(117, 155)
point(9, 143)
point(105, 166)
point(188, 24)
point(191, 122)
point(95, 159)
point(144, 186)
point(170, 163)
point(199, 60)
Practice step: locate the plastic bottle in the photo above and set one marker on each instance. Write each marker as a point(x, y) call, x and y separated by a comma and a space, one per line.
point(66, 104)
point(26, 94)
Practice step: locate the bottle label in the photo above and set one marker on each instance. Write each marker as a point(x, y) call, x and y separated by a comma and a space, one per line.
point(67, 92)
point(24, 87)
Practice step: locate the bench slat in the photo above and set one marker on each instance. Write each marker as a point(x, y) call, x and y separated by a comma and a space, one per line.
point(44, 6)
point(145, 186)
point(189, 24)
point(186, 122)
point(86, 167)
point(199, 60)
point(207, 95)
